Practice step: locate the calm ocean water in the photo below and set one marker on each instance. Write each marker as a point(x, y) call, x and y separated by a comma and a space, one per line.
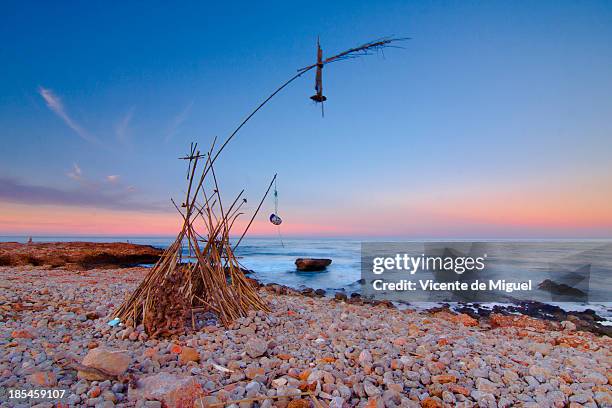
point(273, 261)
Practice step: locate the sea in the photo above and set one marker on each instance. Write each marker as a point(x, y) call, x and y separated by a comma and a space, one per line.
point(272, 260)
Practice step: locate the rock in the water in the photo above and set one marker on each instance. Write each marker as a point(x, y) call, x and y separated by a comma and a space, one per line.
point(172, 390)
point(113, 362)
point(312, 264)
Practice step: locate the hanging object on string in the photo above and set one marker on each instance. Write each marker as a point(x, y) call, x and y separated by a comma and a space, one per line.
point(274, 218)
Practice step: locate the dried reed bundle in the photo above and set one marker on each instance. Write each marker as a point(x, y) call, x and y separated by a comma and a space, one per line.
point(209, 278)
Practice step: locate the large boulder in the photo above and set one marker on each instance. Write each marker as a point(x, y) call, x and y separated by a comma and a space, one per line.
point(312, 264)
point(113, 362)
point(170, 389)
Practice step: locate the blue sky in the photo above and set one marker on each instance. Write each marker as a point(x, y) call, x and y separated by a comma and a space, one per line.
point(490, 105)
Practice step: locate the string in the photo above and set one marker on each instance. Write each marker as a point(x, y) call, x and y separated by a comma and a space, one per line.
point(280, 237)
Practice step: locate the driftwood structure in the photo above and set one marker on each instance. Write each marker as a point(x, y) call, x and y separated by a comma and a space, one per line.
point(199, 271)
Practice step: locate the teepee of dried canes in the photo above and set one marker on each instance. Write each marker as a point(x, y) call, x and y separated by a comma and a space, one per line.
point(209, 278)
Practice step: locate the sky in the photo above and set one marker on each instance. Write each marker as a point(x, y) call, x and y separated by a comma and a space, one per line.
point(492, 121)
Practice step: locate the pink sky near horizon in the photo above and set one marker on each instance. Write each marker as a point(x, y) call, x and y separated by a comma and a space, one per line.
point(512, 212)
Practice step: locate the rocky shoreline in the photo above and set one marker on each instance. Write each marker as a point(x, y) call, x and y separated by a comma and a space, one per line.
point(586, 320)
point(77, 255)
point(338, 352)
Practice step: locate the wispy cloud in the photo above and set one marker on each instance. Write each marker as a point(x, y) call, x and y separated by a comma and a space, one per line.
point(113, 178)
point(123, 127)
point(75, 173)
point(55, 104)
point(16, 191)
point(177, 121)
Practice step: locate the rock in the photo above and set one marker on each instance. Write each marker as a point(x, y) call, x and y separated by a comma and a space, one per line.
point(299, 403)
point(312, 264)
point(485, 385)
point(94, 392)
point(542, 348)
point(256, 347)
point(252, 372)
point(171, 390)
point(444, 378)
point(365, 357)
point(279, 382)
point(604, 399)
point(108, 395)
point(79, 255)
point(110, 361)
point(595, 377)
point(252, 389)
point(568, 326)
point(522, 321)
point(370, 389)
point(336, 402)
point(189, 354)
point(509, 377)
point(431, 403)
point(206, 402)
point(340, 296)
point(22, 334)
point(43, 379)
point(461, 318)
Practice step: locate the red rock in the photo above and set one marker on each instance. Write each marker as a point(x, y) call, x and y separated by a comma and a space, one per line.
point(305, 374)
point(573, 341)
point(299, 403)
point(372, 403)
point(176, 349)
point(253, 372)
point(522, 321)
point(21, 334)
point(431, 403)
point(43, 379)
point(171, 390)
point(444, 378)
point(189, 354)
point(94, 392)
point(461, 318)
point(77, 255)
point(111, 361)
point(92, 345)
point(459, 389)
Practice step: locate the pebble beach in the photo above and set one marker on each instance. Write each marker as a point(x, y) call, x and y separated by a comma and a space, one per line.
point(309, 351)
